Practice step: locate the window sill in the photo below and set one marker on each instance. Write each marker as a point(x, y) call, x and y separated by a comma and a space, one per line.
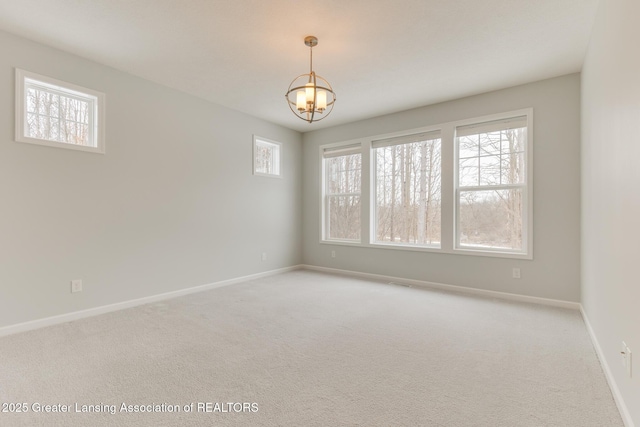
point(405, 247)
point(56, 144)
point(342, 243)
point(439, 250)
point(494, 254)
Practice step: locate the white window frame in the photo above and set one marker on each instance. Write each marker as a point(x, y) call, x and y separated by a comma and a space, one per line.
point(324, 206)
point(94, 98)
point(527, 186)
point(397, 140)
point(256, 141)
point(449, 180)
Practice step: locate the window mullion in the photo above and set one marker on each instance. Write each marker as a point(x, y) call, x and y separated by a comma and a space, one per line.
point(366, 187)
point(448, 177)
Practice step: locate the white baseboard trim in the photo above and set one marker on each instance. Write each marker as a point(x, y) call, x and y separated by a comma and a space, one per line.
point(617, 395)
point(442, 286)
point(76, 315)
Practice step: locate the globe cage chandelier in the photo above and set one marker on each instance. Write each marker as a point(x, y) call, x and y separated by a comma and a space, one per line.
point(309, 94)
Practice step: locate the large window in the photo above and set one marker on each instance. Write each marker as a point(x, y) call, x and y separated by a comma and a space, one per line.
point(492, 185)
point(343, 175)
point(407, 189)
point(462, 187)
point(58, 114)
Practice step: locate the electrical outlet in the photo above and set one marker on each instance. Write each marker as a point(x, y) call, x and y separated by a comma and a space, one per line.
point(76, 286)
point(516, 273)
point(333, 254)
point(264, 256)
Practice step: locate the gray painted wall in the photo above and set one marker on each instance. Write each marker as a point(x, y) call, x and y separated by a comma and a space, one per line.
point(555, 270)
point(611, 189)
point(172, 204)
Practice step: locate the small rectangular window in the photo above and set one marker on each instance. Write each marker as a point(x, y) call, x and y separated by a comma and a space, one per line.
point(58, 114)
point(342, 187)
point(407, 189)
point(266, 157)
point(492, 194)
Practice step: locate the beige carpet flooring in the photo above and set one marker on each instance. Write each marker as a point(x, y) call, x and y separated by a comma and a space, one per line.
point(311, 349)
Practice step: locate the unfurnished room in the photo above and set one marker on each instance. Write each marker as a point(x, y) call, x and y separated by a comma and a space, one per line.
point(337, 213)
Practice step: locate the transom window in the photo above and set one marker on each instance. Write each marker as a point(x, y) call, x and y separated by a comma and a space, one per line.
point(58, 114)
point(266, 157)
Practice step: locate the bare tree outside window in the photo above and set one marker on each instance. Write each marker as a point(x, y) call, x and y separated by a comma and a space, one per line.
point(58, 114)
point(266, 157)
point(461, 187)
point(53, 116)
point(408, 193)
point(492, 185)
point(343, 185)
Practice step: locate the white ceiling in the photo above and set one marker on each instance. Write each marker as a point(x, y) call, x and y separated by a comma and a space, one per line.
point(380, 56)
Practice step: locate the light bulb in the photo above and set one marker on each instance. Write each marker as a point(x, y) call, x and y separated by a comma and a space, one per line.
point(310, 89)
point(321, 101)
point(301, 100)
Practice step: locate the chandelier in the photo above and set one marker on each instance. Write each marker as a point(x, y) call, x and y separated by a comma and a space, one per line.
point(310, 97)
